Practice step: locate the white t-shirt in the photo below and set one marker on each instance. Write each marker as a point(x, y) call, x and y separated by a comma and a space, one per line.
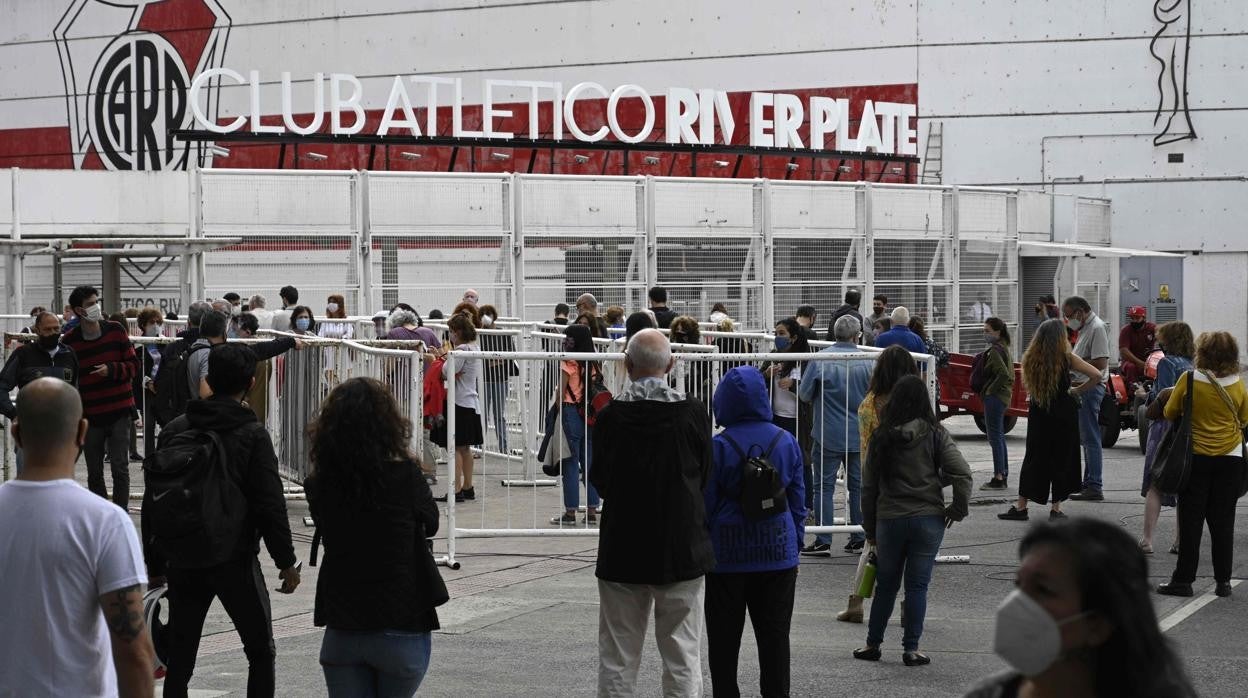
point(62, 548)
point(466, 373)
point(784, 402)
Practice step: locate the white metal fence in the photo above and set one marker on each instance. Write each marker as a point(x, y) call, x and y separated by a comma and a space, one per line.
point(527, 242)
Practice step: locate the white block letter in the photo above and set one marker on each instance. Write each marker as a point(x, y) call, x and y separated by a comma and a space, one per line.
point(256, 126)
point(908, 141)
point(193, 96)
point(682, 110)
point(489, 113)
point(869, 130)
point(457, 114)
point(723, 111)
point(614, 102)
point(788, 115)
point(825, 118)
point(569, 115)
point(352, 102)
point(759, 137)
point(398, 98)
point(318, 109)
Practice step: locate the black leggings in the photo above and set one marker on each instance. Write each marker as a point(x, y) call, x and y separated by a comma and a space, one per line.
point(1211, 494)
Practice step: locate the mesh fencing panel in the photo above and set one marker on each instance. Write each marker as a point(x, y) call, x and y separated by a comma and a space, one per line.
point(987, 267)
point(913, 254)
point(817, 248)
point(709, 238)
point(297, 229)
point(583, 236)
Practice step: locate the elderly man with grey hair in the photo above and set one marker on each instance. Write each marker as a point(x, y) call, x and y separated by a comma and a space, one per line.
point(263, 315)
point(835, 389)
point(652, 457)
point(900, 334)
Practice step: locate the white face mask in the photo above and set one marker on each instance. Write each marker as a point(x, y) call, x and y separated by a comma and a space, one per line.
point(236, 310)
point(1074, 323)
point(152, 330)
point(1026, 636)
point(95, 313)
point(487, 320)
point(332, 307)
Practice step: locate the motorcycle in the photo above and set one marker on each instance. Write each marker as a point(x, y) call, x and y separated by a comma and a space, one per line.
point(1123, 408)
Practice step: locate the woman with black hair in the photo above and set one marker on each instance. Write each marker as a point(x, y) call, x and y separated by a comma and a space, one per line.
point(782, 380)
point(574, 377)
point(892, 364)
point(1080, 621)
point(998, 389)
point(904, 515)
point(378, 586)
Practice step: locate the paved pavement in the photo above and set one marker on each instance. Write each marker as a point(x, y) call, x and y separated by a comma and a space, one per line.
point(523, 616)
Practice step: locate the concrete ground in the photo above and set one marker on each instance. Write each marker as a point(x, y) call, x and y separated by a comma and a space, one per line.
point(522, 620)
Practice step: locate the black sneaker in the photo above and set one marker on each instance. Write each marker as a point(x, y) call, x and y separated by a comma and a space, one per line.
point(855, 546)
point(459, 498)
point(564, 519)
point(818, 550)
point(994, 484)
point(1056, 515)
point(1014, 515)
point(1088, 495)
point(469, 493)
point(1173, 589)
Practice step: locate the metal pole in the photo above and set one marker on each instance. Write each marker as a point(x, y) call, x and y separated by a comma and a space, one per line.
point(652, 242)
point(864, 206)
point(365, 226)
point(955, 271)
point(517, 247)
point(769, 260)
point(451, 460)
point(17, 259)
point(1011, 252)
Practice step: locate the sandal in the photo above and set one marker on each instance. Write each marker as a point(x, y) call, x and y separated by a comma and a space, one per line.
point(1146, 548)
point(564, 519)
point(1174, 549)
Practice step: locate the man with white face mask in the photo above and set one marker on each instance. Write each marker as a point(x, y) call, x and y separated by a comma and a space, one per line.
point(1080, 621)
point(109, 366)
point(1093, 347)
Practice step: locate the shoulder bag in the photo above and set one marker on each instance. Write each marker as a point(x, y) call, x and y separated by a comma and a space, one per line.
point(1173, 465)
point(1242, 488)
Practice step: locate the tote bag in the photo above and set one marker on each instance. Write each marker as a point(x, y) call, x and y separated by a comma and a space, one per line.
point(1173, 464)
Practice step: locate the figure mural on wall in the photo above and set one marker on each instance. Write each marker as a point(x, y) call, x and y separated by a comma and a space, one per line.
point(1170, 46)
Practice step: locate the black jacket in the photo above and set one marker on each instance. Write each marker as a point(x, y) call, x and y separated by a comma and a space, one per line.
point(276, 347)
point(845, 309)
point(29, 362)
point(651, 460)
point(378, 573)
point(254, 464)
point(663, 316)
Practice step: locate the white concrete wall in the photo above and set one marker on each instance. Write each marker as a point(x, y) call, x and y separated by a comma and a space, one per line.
point(1216, 294)
point(1026, 91)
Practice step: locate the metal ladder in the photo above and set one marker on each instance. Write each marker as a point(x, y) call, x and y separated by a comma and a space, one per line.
point(932, 157)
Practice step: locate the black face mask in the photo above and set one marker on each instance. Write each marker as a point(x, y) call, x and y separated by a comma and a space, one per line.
point(1137, 325)
point(49, 342)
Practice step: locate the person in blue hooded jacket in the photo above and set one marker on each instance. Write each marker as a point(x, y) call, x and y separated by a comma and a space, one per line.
point(756, 560)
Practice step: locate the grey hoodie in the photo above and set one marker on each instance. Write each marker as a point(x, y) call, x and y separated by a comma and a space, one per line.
point(912, 486)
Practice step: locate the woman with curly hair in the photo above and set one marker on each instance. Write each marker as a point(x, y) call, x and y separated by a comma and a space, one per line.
point(684, 330)
point(1176, 342)
point(1052, 458)
point(379, 586)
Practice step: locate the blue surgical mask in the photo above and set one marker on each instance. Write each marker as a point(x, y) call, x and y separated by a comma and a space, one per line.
point(990, 338)
point(782, 343)
point(302, 324)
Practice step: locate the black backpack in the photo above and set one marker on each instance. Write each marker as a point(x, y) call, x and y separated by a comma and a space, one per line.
point(761, 494)
point(172, 383)
point(195, 509)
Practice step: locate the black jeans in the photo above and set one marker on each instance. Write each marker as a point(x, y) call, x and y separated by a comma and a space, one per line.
point(240, 586)
point(117, 436)
point(769, 598)
point(1210, 498)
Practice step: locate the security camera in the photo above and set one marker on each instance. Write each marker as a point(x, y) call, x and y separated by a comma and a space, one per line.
point(580, 159)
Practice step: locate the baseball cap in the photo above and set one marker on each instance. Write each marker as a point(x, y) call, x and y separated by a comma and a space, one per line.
point(1137, 311)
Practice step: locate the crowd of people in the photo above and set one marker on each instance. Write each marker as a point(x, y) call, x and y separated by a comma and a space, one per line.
point(739, 469)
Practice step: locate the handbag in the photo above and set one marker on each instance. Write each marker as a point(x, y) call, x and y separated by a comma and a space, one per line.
point(1173, 464)
point(1242, 488)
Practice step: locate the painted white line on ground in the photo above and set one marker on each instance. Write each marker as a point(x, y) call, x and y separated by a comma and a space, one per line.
point(1185, 611)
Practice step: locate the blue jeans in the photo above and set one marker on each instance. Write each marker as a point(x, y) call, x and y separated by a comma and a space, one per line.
point(1090, 436)
point(904, 547)
point(579, 445)
point(826, 466)
point(382, 663)
point(994, 420)
point(496, 410)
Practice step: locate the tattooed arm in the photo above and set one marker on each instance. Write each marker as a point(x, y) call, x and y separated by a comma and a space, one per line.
point(133, 655)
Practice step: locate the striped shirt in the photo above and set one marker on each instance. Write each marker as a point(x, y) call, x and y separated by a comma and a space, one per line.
point(108, 397)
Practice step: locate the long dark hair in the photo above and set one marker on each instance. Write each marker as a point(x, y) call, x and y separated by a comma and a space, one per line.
point(907, 401)
point(583, 342)
point(893, 364)
point(1136, 660)
point(358, 432)
point(798, 344)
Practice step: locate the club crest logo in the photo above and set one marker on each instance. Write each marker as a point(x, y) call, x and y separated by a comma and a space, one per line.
point(126, 95)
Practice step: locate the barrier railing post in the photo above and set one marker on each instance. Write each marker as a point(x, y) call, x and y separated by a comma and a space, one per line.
point(451, 460)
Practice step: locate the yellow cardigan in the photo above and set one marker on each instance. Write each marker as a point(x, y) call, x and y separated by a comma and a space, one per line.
point(1214, 430)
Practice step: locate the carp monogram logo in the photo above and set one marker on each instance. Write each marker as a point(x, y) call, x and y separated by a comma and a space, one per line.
point(126, 95)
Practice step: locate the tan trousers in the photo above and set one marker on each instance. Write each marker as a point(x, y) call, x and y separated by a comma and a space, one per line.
point(623, 615)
